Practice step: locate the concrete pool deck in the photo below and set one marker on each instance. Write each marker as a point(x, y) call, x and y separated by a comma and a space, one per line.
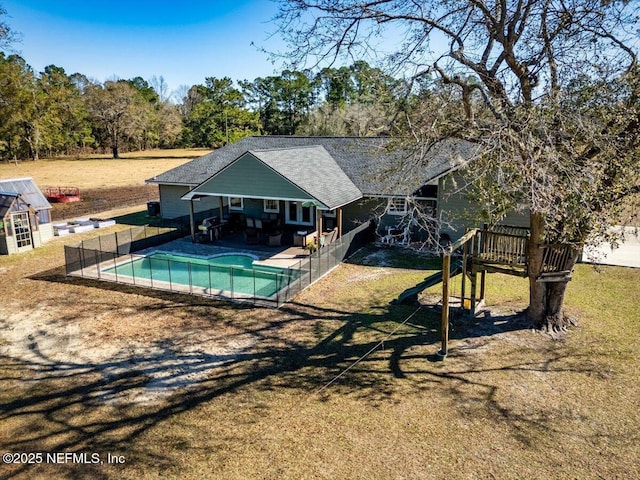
point(106, 268)
point(283, 257)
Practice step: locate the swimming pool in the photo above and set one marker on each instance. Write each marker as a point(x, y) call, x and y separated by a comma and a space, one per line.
point(227, 274)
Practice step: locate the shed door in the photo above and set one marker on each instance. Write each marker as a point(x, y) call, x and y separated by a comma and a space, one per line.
point(22, 231)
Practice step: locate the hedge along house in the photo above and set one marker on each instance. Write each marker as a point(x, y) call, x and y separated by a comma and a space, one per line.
point(25, 216)
point(315, 182)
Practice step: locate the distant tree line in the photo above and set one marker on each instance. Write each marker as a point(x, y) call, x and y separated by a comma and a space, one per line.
point(52, 113)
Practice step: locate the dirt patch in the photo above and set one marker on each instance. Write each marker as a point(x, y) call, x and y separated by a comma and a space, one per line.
point(54, 349)
point(100, 199)
point(366, 276)
point(379, 258)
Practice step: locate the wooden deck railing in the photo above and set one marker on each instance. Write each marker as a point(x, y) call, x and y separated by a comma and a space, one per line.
point(503, 248)
point(557, 258)
point(502, 251)
point(508, 229)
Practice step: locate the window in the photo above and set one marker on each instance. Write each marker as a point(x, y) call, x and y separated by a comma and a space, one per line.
point(236, 203)
point(397, 206)
point(297, 214)
point(272, 206)
point(306, 215)
point(427, 191)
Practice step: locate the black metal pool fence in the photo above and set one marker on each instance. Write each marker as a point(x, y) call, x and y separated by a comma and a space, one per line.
point(106, 257)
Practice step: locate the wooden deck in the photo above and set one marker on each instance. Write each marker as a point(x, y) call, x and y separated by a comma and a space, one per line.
point(504, 250)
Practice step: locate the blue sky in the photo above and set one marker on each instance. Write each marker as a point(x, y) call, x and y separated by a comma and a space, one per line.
point(182, 41)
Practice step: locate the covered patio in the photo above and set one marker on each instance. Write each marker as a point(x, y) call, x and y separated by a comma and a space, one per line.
point(282, 197)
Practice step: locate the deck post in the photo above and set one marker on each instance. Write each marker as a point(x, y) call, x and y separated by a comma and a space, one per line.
point(444, 319)
point(339, 222)
point(474, 281)
point(465, 252)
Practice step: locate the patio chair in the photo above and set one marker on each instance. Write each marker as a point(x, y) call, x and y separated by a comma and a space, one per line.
point(330, 236)
point(270, 222)
point(274, 240)
point(251, 236)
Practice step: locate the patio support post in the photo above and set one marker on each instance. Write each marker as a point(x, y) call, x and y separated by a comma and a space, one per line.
point(339, 221)
point(319, 226)
point(221, 208)
point(191, 222)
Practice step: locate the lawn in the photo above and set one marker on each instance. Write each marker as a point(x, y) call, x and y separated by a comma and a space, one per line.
point(104, 183)
point(100, 171)
point(186, 387)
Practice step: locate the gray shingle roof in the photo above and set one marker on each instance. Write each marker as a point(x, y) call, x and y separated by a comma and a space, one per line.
point(371, 163)
point(25, 187)
point(314, 171)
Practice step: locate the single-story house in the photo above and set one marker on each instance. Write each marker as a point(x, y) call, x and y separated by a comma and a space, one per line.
point(25, 216)
point(319, 182)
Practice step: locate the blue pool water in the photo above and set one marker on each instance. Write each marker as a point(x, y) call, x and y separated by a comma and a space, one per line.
point(231, 273)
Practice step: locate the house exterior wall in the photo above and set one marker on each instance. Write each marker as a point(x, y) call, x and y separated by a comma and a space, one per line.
point(452, 206)
point(249, 177)
point(458, 213)
point(252, 207)
point(171, 205)
point(361, 211)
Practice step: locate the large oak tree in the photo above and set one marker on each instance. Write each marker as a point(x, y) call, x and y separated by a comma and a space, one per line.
point(122, 112)
point(547, 90)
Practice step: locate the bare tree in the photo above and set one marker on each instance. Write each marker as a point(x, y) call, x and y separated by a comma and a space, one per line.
point(548, 91)
point(161, 88)
point(7, 35)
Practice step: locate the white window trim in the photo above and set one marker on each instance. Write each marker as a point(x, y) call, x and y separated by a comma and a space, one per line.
point(391, 207)
point(299, 215)
point(237, 209)
point(271, 210)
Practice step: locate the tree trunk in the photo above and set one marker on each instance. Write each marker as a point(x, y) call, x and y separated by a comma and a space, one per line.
point(537, 291)
point(114, 146)
point(31, 136)
point(546, 299)
point(115, 137)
